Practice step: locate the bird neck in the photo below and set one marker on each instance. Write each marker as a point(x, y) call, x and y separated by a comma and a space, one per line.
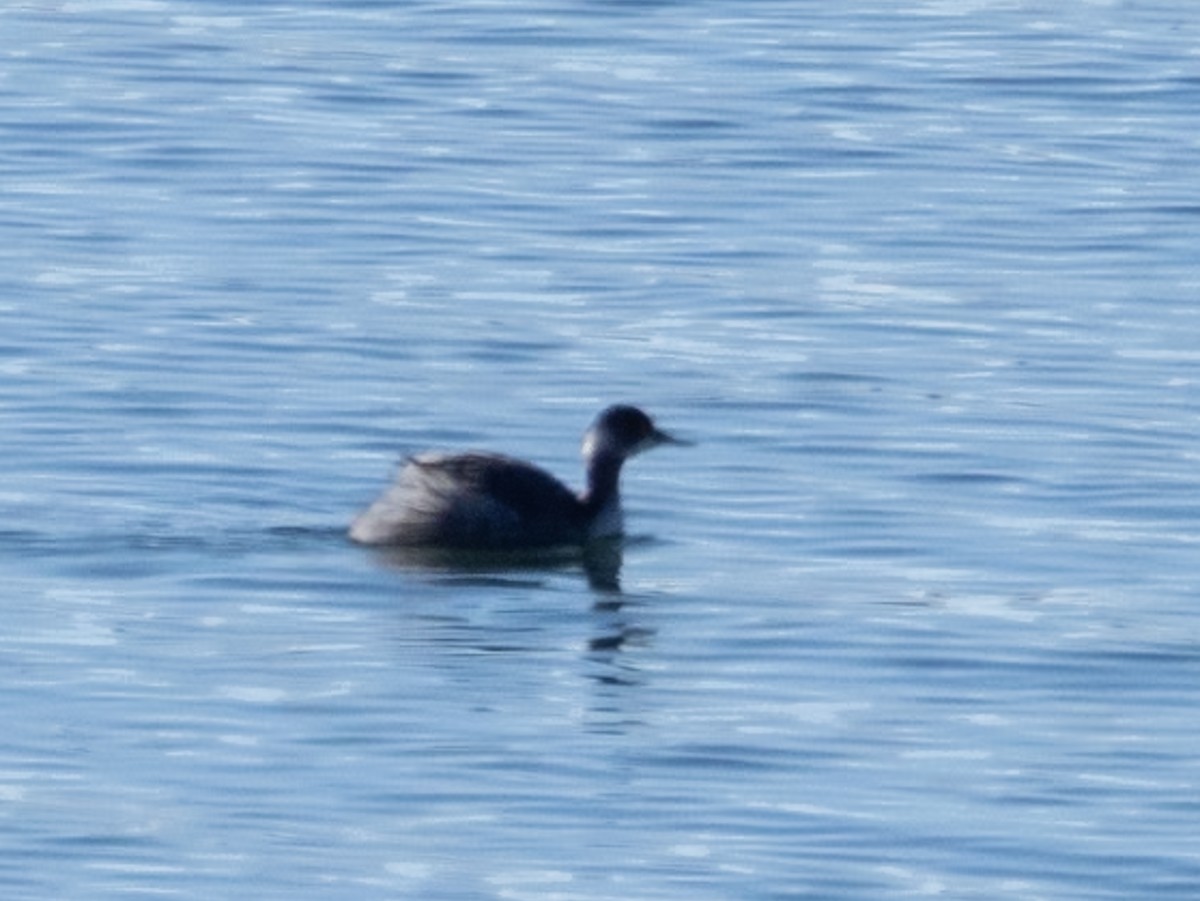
point(601, 499)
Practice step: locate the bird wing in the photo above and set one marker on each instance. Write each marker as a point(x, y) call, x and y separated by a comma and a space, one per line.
point(498, 500)
point(470, 500)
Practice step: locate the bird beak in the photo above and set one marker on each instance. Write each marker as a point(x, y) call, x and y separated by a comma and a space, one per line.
point(658, 436)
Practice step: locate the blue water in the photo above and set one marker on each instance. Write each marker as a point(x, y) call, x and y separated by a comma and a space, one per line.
point(915, 617)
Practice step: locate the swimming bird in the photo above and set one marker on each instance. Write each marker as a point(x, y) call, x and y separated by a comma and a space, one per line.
point(489, 501)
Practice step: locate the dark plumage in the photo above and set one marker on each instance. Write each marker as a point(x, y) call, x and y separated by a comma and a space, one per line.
point(490, 501)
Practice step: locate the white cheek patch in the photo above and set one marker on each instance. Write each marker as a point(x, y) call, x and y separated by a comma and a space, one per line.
point(591, 444)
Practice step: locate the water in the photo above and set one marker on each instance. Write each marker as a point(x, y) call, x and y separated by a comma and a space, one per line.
point(914, 618)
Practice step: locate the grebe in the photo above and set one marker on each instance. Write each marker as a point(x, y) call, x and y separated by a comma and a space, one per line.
point(490, 501)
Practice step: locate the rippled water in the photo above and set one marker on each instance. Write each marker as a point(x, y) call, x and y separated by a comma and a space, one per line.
point(915, 617)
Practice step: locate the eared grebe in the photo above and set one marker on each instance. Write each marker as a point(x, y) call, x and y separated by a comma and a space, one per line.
point(489, 501)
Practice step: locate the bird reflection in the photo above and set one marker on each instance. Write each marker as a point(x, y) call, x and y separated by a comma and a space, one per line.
point(601, 561)
point(614, 632)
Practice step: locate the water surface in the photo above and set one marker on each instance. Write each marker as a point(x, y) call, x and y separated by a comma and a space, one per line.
point(914, 618)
